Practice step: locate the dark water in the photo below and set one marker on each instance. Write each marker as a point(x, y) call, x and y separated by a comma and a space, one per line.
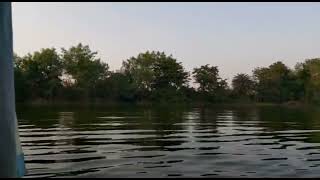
point(171, 142)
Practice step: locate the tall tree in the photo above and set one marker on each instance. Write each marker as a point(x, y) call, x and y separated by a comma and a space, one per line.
point(140, 70)
point(308, 74)
point(170, 79)
point(21, 86)
point(211, 85)
point(83, 66)
point(121, 88)
point(169, 73)
point(243, 86)
point(273, 82)
point(41, 71)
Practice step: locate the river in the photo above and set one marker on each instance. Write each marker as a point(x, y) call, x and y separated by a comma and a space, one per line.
point(170, 142)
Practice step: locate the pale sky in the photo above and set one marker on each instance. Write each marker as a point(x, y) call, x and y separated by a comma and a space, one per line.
point(236, 37)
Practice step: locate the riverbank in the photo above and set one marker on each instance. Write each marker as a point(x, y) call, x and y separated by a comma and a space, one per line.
point(155, 104)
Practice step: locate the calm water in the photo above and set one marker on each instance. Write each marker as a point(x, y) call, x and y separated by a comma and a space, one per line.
point(140, 142)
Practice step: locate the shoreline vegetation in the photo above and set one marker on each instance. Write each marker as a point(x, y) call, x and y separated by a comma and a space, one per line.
point(77, 77)
point(151, 104)
point(163, 105)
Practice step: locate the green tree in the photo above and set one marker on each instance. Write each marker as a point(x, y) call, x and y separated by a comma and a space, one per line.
point(169, 79)
point(117, 88)
point(156, 76)
point(243, 86)
point(275, 83)
point(140, 70)
point(308, 75)
point(41, 71)
point(169, 73)
point(211, 86)
point(83, 66)
point(21, 87)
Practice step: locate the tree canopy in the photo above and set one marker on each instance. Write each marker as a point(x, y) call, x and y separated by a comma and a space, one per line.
point(77, 74)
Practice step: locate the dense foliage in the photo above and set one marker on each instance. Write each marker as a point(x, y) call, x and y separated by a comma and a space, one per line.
point(78, 75)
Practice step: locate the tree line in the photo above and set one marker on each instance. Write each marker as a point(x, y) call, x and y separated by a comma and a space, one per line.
point(76, 74)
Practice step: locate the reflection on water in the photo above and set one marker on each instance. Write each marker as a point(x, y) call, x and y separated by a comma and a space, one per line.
point(140, 142)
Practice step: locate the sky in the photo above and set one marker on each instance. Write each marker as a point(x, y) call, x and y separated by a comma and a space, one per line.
point(236, 37)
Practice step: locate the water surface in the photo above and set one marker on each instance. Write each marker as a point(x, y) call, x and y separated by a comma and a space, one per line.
point(170, 142)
